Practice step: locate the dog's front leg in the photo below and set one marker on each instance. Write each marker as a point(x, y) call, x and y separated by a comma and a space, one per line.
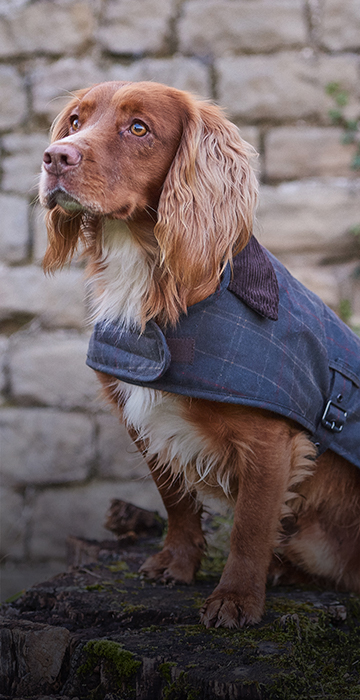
point(239, 597)
point(184, 545)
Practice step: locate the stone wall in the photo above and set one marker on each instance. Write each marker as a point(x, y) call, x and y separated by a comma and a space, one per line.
point(268, 62)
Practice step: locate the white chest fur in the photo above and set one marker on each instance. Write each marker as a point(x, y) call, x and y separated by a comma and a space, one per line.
point(123, 277)
point(159, 418)
point(161, 421)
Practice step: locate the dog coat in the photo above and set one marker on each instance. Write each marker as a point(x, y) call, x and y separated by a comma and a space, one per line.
point(262, 339)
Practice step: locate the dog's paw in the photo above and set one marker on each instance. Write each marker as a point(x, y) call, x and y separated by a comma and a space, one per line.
point(228, 610)
point(170, 566)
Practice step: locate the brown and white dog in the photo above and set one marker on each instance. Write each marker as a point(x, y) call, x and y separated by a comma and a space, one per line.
point(177, 172)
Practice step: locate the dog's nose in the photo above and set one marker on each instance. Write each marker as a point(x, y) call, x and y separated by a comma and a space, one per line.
point(59, 158)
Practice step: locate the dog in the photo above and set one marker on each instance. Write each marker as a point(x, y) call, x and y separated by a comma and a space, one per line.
point(158, 188)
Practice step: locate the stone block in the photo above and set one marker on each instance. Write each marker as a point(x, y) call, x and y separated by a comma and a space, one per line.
point(57, 301)
point(341, 25)
point(4, 344)
point(81, 511)
point(294, 152)
point(217, 27)
point(49, 369)
point(49, 27)
point(347, 274)
point(307, 215)
point(22, 165)
point(137, 27)
point(13, 97)
point(320, 279)
point(118, 456)
point(284, 86)
point(355, 305)
point(8, 7)
point(42, 446)
point(251, 135)
point(356, 290)
point(12, 523)
point(14, 229)
point(39, 244)
point(341, 69)
point(39, 234)
point(53, 83)
point(180, 72)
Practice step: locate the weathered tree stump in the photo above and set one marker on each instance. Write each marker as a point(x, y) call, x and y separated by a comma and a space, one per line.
point(100, 632)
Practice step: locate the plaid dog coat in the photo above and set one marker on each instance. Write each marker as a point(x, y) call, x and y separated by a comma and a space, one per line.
point(262, 339)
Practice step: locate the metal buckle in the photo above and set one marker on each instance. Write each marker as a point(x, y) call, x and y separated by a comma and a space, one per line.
point(332, 424)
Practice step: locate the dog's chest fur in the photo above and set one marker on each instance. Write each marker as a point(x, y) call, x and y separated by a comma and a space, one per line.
point(160, 419)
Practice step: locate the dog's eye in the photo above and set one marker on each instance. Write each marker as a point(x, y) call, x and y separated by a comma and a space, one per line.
point(138, 129)
point(75, 122)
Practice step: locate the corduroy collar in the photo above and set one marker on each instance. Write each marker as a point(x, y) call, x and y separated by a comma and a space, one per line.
point(254, 280)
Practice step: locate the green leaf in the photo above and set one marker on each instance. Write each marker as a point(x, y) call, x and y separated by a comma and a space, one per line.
point(355, 164)
point(335, 116)
point(341, 99)
point(332, 88)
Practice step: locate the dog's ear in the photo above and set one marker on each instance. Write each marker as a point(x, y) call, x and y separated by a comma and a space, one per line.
point(64, 229)
point(64, 235)
point(205, 212)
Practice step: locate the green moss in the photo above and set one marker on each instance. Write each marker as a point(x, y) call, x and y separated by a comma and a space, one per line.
point(121, 663)
point(197, 600)
point(283, 606)
point(95, 587)
point(193, 630)
point(180, 688)
point(104, 586)
point(314, 655)
point(165, 670)
point(118, 566)
point(131, 609)
point(310, 654)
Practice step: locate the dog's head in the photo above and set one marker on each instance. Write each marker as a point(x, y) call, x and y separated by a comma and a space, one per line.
point(168, 164)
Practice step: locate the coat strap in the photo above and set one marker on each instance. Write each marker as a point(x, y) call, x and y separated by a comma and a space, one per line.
point(335, 414)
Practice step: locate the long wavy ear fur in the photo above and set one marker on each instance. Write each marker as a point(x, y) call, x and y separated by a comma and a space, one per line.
point(64, 234)
point(205, 211)
point(64, 229)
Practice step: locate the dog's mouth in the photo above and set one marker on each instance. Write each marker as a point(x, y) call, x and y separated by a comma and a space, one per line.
point(59, 196)
point(65, 200)
point(71, 205)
